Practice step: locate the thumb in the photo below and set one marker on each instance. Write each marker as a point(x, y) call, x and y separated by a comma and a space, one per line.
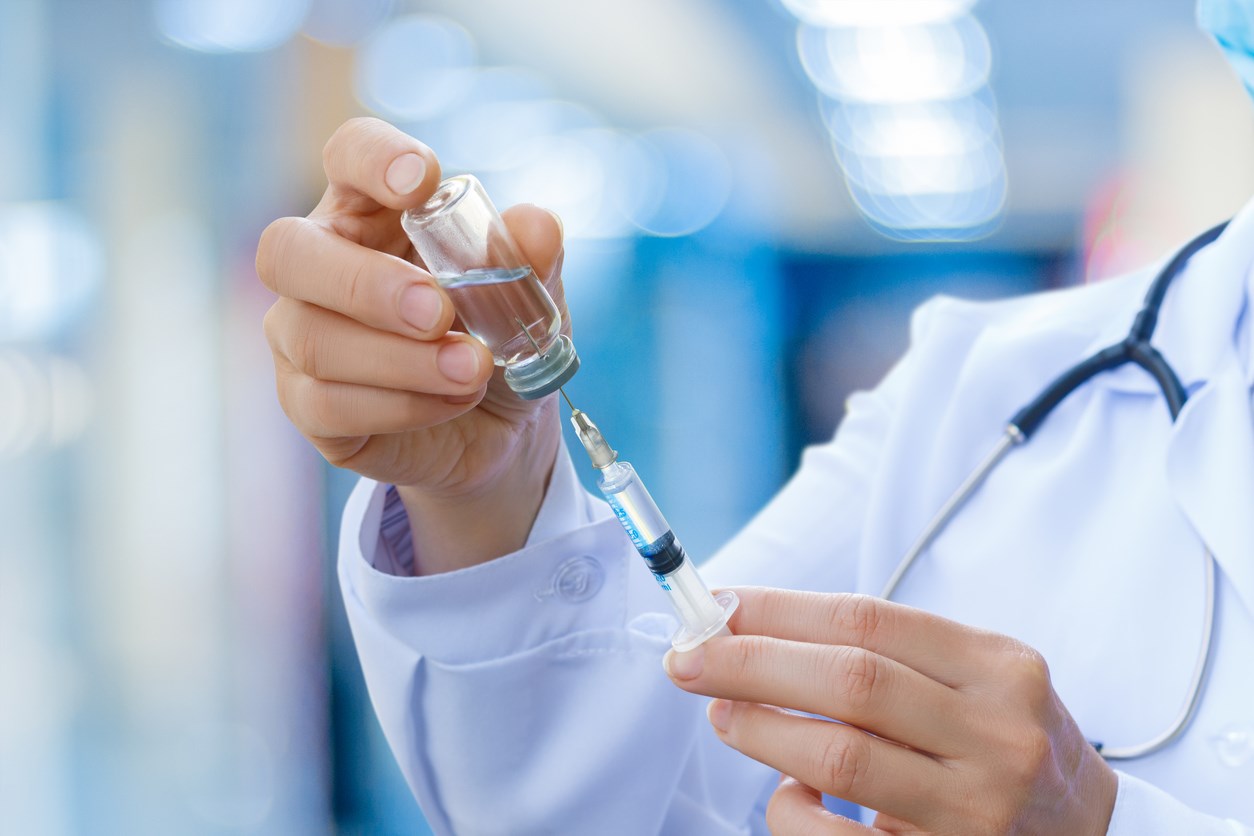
point(370, 163)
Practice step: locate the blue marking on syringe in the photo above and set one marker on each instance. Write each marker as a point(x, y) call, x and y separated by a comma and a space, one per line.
point(619, 511)
point(663, 556)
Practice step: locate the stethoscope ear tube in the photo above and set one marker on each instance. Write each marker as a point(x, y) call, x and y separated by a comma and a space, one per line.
point(1028, 419)
point(1147, 318)
point(1149, 358)
point(1135, 348)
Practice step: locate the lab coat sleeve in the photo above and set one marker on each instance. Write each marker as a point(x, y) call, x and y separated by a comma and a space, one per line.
point(526, 695)
point(1142, 809)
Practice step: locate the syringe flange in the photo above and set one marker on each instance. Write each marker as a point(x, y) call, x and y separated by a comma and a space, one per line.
point(685, 639)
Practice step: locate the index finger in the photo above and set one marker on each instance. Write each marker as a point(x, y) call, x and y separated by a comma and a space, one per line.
point(943, 650)
point(300, 259)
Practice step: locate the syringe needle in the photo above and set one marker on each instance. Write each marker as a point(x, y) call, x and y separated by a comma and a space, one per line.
point(530, 339)
point(536, 345)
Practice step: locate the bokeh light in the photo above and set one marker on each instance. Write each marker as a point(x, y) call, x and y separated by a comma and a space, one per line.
point(50, 267)
point(561, 155)
point(414, 68)
point(564, 173)
point(905, 99)
point(229, 25)
point(897, 63)
point(497, 135)
point(936, 215)
point(47, 402)
point(920, 129)
point(345, 22)
point(876, 12)
point(684, 182)
point(585, 176)
point(922, 174)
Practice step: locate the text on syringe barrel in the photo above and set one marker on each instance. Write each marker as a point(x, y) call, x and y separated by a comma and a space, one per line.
point(641, 518)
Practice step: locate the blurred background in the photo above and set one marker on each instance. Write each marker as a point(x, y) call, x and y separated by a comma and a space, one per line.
point(762, 189)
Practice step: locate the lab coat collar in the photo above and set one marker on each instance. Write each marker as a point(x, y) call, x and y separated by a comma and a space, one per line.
point(1210, 455)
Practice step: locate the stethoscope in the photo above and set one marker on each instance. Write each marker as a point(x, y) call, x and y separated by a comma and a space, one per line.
point(1134, 348)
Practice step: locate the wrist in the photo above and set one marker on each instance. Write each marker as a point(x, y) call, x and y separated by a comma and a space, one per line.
point(1098, 785)
point(457, 530)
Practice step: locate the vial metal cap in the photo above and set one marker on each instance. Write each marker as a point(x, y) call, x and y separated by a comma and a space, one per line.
point(545, 373)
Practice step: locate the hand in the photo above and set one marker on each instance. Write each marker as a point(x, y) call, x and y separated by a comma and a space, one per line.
point(366, 364)
point(943, 728)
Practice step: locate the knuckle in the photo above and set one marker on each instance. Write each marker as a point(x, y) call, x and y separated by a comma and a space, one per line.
point(1033, 665)
point(1033, 751)
point(747, 658)
point(347, 135)
point(271, 325)
point(274, 248)
point(416, 413)
point(339, 454)
point(858, 617)
point(857, 676)
point(325, 409)
point(1028, 675)
point(278, 324)
point(1025, 755)
point(842, 764)
point(305, 348)
point(284, 387)
point(356, 287)
point(996, 819)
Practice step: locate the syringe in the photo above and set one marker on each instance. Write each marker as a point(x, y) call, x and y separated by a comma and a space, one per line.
point(701, 615)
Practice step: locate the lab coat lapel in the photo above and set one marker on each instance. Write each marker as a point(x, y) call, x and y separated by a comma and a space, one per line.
point(1210, 467)
point(1210, 455)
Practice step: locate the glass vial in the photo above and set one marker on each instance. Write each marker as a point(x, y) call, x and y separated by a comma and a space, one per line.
point(465, 245)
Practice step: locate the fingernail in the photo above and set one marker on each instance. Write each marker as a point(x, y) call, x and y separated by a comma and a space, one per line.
point(458, 362)
point(421, 306)
point(405, 173)
point(719, 712)
point(684, 665)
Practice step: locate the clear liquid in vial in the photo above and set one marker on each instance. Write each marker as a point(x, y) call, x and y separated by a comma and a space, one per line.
point(501, 306)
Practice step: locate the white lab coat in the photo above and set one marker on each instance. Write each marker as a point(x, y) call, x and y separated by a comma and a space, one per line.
point(526, 695)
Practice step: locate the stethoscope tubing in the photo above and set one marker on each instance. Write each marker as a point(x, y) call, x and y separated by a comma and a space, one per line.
point(1136, 349)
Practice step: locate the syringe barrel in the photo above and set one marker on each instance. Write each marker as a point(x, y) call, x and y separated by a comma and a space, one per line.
point(700, 614)
point(641, 518)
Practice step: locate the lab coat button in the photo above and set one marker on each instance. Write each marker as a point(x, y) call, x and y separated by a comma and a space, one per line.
point(1235, 746)
point(578, 579)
